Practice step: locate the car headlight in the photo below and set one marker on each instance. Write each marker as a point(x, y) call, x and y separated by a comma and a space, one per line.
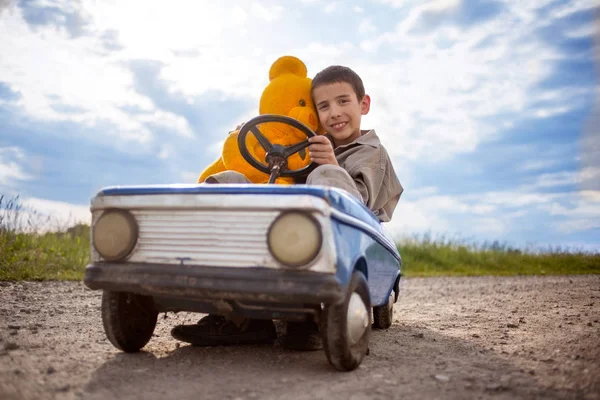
point(295, 238)
point(115, 234)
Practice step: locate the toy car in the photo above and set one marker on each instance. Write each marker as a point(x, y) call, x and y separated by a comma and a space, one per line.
point(288, 252)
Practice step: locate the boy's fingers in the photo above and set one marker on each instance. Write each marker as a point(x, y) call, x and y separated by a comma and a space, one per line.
point(320, 147)
point(321, 153)
point(318, 139)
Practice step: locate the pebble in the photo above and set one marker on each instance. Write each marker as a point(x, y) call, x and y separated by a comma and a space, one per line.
point(10, 346)
point(511, 325)
point(50, 370)
point(63, 388)
point(495, 387)
point(442, 378)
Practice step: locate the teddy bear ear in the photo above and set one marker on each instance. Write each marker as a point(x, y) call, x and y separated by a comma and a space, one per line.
point(287, 65)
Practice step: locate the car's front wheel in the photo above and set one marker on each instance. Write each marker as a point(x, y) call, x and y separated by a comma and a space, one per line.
point(129, 319)
point(346, 326)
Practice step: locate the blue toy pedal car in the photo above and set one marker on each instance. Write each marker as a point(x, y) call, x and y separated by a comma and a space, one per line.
point(292, 252)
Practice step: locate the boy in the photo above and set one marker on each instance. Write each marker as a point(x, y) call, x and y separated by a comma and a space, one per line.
point(349, 158)
point(366, 170)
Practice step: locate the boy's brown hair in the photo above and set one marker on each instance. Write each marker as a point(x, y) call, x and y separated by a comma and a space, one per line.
point(339, 74)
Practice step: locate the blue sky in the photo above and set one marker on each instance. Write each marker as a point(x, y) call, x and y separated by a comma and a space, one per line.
point(488, 108)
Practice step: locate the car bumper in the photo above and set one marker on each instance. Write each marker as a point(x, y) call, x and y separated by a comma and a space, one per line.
point(262, 285)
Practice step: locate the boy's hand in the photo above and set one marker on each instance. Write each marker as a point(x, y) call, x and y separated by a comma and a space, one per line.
point(321, 150)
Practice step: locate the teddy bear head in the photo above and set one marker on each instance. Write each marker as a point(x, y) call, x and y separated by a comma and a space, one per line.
point(288, 93)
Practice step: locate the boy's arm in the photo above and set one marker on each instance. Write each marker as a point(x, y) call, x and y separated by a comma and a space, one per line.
point(378, 184)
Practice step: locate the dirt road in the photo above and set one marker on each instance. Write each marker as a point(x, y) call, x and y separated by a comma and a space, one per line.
point(500, 338)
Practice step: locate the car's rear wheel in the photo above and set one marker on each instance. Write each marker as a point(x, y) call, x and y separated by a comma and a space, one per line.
point(129, 319)
point(346, 326)
point(383, 315)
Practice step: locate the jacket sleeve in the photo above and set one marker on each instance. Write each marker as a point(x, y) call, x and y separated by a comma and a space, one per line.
point(377, 182)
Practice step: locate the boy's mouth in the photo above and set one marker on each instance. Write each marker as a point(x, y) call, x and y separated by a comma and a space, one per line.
point(339, 125)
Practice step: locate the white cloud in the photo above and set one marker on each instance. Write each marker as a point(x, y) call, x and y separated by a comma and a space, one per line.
point(556, 179)
point(165, 152)
point(41, 215)
point(190, 176)
point(366, 26)
point(215, 149)
point(537, 165)
point(582, 31)
point(490, 226)
point(238, 15)
point(580, 208)
point(433, 5)
point(551, 112)
point(266, 13)
point(413, 217)
point(435, 96)
point(565, 9)
point(73, 79)
point(11, 170)
point(331, 7)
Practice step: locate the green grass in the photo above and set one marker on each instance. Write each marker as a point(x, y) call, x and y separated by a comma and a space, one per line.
point(424, 257)
point(63, 253)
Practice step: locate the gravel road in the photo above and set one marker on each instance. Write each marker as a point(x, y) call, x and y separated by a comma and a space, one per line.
point(452, 338)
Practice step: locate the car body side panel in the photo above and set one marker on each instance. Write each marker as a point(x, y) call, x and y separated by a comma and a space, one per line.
point(383, 271)
point(382, 265)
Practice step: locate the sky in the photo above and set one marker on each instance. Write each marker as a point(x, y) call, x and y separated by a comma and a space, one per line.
point(490, 110)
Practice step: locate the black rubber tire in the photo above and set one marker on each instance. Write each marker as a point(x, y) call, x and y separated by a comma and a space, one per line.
point(383, 316)
point(340, 353)
point(129, 319)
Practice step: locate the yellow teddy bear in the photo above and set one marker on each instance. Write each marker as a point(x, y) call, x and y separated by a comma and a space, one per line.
point(288, 94)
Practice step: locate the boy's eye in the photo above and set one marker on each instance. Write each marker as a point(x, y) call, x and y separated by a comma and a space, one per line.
point(302, 103)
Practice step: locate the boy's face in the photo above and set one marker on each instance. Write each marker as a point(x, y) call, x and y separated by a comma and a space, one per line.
point(340, 111)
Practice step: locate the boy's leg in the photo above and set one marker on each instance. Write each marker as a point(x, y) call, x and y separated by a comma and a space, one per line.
point(335, 176)
point(215, 330)
point(227, 177)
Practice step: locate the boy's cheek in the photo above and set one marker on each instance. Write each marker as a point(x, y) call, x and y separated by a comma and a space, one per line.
point(321, 130)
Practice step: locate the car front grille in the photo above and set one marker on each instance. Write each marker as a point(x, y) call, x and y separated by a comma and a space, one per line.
point(208, 237)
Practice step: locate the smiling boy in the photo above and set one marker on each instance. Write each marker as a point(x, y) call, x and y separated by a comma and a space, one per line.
point(351, 158)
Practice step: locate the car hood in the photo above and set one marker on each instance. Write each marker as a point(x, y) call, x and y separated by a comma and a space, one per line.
point(338, 199)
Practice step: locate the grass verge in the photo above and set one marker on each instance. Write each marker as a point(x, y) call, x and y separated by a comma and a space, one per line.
point(423, 257)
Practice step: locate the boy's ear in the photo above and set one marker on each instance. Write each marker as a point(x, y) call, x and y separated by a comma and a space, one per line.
point(365, 105)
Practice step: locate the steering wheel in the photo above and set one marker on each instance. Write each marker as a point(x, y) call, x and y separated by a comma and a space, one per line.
point(277, 155)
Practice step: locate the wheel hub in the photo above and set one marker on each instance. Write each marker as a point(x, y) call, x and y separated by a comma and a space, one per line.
point(357, 319)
